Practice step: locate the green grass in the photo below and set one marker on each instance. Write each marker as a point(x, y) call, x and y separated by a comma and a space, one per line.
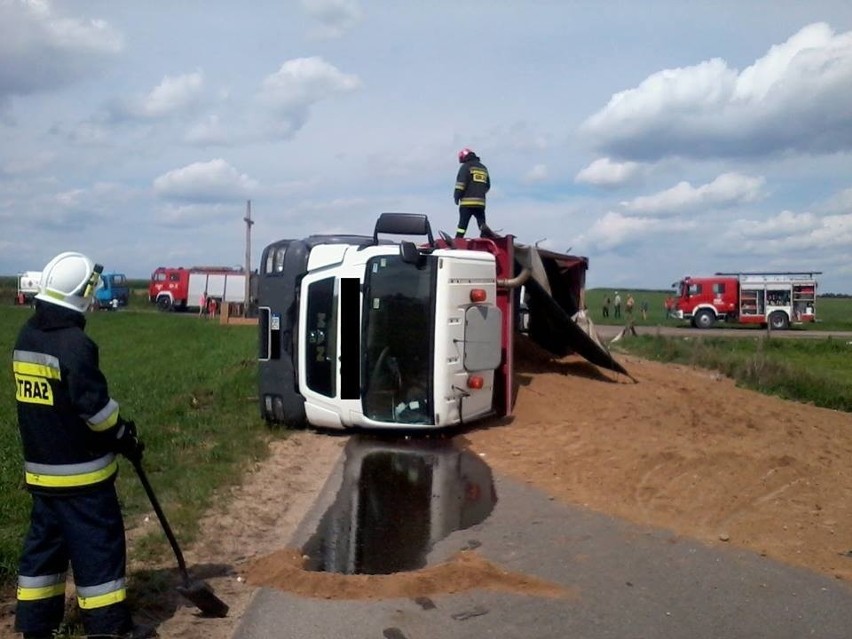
point(191, 387)
point(833, 313)
point(815, 371)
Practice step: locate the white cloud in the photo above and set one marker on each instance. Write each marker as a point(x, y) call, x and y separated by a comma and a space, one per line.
point(41, 50)
point(794, 98)
point(726, 190)
point(614, 230)
point(783, 224)
point(299, 84)
point(537, 173)
point(794, 234)
point(205, 182)
point(174, 94)
point(209, 131)
point(336, 17)
point(606, 172)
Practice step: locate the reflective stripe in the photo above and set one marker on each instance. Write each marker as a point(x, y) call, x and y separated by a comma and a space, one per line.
point(70, 475)
point(104, 594)
point(41, 587)
point(472, 201)
point(38, 364)
point(105, 418)
point(460, 186)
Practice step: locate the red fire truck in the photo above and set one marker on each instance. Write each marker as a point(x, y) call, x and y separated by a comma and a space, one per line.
point(775, 300)
point(182, 288)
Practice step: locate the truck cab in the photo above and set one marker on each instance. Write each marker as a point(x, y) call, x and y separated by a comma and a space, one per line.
point(113, 292)
point(378, 334)
point(365, 332)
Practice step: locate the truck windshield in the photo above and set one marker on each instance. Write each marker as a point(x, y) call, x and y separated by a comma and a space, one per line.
point(398, 333)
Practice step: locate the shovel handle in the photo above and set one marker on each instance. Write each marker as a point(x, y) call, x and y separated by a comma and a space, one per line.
point(137, 466)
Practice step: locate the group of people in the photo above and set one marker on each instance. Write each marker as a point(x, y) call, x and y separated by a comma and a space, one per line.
point(629, 305)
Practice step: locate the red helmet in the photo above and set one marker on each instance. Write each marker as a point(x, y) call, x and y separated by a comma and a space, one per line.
point(464, 153)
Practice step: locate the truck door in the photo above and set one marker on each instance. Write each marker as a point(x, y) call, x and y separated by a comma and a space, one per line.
point(317, 350)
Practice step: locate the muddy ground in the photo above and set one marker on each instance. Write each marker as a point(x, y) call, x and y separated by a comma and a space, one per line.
point(682, 449)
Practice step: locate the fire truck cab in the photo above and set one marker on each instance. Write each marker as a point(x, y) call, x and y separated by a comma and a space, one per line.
point(776, 300)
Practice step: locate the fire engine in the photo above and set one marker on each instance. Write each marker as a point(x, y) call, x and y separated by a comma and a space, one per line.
point(776, 300)
point(358, 331)
point(182, 288)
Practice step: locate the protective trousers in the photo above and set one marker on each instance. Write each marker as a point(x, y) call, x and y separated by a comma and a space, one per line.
point(465, 213)
point(87, 530)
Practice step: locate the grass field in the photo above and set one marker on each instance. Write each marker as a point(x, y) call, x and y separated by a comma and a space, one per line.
point(190, 385)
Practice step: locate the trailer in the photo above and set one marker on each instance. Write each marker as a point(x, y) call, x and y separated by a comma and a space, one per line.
point(775, 300)
point(363, 331)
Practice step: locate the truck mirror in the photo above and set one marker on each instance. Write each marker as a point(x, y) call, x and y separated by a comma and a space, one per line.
point(410, 255)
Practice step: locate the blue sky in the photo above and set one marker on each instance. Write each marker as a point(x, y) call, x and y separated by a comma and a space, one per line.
point(658, 138)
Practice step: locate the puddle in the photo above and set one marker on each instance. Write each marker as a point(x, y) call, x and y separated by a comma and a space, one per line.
point(398, 497)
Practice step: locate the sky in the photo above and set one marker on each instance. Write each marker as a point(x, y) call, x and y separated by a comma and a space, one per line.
point(659, 139)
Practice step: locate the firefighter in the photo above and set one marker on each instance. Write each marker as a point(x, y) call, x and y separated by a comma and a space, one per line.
point(71, 432)
point(472, 184)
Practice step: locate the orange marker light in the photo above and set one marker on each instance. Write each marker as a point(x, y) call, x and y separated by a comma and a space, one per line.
point(477, 295)
point(475, 382)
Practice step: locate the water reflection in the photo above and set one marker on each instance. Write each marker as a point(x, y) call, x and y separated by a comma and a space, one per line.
point(397, 498)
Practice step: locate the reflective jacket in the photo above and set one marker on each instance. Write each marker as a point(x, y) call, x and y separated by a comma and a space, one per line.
point(472, 183)
point(68, 421)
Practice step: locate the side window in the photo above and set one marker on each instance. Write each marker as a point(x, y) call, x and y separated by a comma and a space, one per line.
point(320, 333)
point(719, 288)
point(695, 289)
point(174, 277)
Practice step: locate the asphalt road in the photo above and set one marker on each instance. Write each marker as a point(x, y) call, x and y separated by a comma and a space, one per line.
point(624, 581)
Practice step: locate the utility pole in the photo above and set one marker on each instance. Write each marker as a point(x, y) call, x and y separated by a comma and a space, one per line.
point(247, 219)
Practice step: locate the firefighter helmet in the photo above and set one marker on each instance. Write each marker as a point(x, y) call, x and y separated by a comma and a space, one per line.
point(464, 154)
point(70, 280)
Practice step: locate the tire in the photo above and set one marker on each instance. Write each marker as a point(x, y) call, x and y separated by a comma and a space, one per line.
point(164, 303)
point(704, 319)
point(778, 321)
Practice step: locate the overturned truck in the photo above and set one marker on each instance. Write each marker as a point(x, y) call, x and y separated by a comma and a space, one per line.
point(369, 332)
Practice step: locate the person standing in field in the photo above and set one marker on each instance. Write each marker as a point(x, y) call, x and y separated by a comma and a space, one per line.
point(71, 432)
point(643, 306)
point(617, 305)
point(202, 304)
point(606, 303)
point(472, 184)
point(628, 305)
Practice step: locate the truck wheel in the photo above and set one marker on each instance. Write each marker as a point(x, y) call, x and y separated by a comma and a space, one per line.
point(164, 303)
point(778, 321)
point(704, 319)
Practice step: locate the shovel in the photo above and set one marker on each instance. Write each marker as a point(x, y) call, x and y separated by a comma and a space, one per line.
point(197, 592)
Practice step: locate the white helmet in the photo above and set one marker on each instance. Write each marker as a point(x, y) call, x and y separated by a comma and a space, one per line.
point(70, 280)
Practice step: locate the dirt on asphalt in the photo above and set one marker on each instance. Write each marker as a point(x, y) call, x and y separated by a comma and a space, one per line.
point(682, 449)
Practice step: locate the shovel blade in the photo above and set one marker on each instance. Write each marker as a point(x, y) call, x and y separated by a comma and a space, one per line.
point(202, 597)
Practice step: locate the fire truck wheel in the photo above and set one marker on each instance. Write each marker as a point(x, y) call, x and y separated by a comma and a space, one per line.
point(778, 321)
point(704, 319)
point(164, 303)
